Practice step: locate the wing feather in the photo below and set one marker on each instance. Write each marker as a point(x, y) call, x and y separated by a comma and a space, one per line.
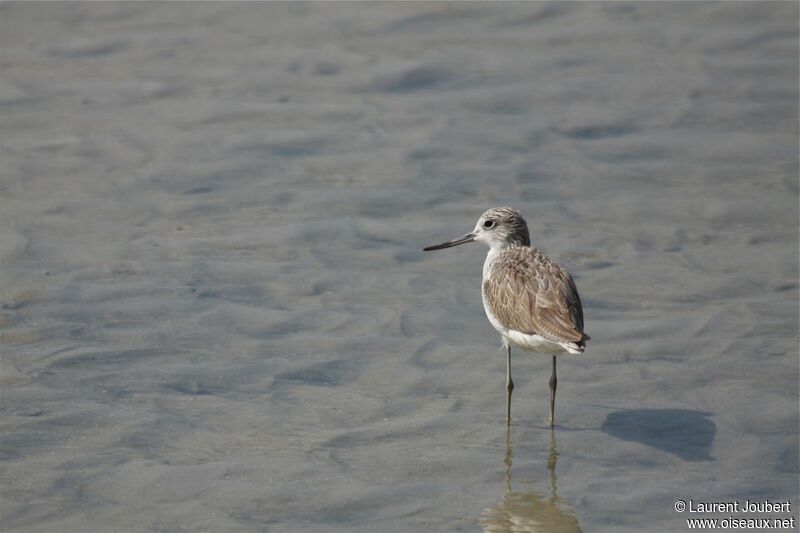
point(528, 292)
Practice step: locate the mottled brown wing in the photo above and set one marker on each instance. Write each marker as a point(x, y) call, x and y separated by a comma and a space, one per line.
point(528, 292)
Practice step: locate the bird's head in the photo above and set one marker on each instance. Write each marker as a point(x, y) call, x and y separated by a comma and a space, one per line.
point(498, 227)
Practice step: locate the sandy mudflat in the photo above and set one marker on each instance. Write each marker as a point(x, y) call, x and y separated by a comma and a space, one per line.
point(216, 315)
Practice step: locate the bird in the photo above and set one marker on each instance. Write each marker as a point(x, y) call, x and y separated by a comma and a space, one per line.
point(528, 298)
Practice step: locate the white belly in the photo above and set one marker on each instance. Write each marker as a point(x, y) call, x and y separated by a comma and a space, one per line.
point(524, 341)
point(535, 343)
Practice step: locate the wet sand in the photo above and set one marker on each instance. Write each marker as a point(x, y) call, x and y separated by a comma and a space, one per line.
point(216, 315)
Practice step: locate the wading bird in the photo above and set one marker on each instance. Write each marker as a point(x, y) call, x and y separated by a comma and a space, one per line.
point(529, 299)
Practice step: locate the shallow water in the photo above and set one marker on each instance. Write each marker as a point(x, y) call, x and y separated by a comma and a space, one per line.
point(216, 315)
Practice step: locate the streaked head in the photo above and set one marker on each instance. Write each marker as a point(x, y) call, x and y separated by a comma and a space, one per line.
point(498, 227)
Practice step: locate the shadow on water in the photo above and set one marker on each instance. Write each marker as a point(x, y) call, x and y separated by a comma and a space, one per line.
point(530, 511)
point(687, 434)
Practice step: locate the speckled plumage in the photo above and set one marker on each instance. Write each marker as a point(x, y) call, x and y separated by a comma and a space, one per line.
point(525, 291)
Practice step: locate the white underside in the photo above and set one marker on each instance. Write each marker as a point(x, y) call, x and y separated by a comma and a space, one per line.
point(536, 343)
point(529, 343)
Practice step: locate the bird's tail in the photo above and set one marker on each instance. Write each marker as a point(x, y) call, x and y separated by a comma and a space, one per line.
point(578, 347)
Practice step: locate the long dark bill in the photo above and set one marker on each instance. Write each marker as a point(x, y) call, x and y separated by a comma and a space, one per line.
point(469, 237)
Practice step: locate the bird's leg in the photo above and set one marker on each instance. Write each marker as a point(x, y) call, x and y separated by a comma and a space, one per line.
point(509, 386)
point(553, 384)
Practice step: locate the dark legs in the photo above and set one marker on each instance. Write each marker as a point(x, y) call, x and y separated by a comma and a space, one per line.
point(510, 389)
point(509, 386)
point(553, 384)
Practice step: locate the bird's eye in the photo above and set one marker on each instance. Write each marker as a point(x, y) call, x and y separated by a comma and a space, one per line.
point(489, 224)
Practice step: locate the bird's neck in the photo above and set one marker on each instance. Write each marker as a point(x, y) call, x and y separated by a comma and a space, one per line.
point(499, 246)
point(494, 251)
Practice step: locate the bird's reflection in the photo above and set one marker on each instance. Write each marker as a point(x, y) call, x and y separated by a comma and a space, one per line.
point(530, 511)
